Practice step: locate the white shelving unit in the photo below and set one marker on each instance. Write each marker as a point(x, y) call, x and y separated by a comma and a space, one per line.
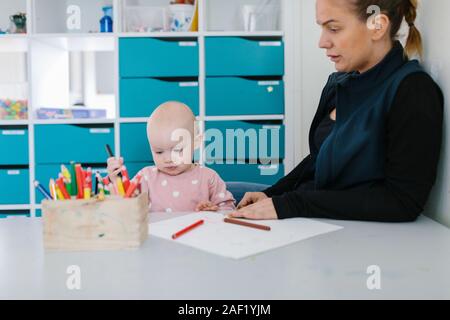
point(49, 40)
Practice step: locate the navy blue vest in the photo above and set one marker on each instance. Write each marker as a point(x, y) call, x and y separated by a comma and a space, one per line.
point(355, 151)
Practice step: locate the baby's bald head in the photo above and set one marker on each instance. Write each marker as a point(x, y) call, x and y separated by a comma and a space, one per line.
point(170, 116)
point(170, 132)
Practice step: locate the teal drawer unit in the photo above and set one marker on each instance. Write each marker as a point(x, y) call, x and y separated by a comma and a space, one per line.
point(14, 214)
point(235, 56)
point(134, 143)
point(140, 97)
point(79, 143)
point(229, 96)
point(14, 185)
point(158, 57)
point(244, 140)
point(13, 145)
point(255, 173)
point(45, 172)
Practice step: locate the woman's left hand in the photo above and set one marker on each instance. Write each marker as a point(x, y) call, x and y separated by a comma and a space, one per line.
point(261, 210)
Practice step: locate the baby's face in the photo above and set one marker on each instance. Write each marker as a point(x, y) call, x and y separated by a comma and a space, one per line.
point(172, 150)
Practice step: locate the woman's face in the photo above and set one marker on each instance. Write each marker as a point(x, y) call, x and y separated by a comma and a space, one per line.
point(346, 39)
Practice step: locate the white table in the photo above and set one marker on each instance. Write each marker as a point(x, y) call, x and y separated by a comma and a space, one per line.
point(414, 259)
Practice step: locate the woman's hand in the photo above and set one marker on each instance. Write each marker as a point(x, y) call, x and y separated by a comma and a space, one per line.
point(261, 210)
point(206, 206)
point(250, 198)
point(114, 167)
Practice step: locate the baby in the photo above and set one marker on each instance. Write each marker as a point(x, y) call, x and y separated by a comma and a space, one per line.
point(175, 183)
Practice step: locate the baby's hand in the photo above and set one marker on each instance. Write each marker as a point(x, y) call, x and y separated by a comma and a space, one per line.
point(114, 167)
point(206, 206)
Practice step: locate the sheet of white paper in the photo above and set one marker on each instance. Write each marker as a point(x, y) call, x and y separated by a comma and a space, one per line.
point(234, 241)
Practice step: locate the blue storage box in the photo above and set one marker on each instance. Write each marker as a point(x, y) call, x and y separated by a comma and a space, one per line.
point(45, 172)
point(13, 145)
point(140, 97)
point(245, 140)
point(235, 56)
point(230, 96)
point(158, 57)
point(134, 143)
point(254, 173)
point(15, 186)
point(80, 143)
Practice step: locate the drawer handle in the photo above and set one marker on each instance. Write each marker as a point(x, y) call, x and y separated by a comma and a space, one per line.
point(270, 43)
point(13, 132)
point(99, 131)
point(271, 127)
point(187, 43)
point(188, 84)
point(13, 172)
point(268, 83)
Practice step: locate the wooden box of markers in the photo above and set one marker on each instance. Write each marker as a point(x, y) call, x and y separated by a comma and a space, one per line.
point(114, 223)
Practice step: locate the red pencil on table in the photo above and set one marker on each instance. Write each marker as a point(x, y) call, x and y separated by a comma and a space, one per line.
point(187, 229)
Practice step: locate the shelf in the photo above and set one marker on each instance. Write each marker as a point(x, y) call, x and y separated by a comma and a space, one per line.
point(14, 122)
point(159, 34)
point(14, 207)
point(74, 121)
point(244, 118)
point(243, 34)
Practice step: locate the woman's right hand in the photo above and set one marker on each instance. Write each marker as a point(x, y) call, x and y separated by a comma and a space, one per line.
point(250, 198)
point(114, 167)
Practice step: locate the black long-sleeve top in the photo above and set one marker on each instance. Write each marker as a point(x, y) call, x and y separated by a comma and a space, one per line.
point(413, 141)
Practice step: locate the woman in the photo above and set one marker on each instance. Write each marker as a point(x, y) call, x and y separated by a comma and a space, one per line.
point(375, 139)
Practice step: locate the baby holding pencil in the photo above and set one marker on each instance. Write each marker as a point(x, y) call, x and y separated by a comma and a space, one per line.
point(175, 183)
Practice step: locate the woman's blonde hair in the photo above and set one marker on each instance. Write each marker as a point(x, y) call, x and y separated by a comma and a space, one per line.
point(396, 10)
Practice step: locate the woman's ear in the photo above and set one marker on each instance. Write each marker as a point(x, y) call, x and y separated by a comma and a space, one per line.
point(379, 25)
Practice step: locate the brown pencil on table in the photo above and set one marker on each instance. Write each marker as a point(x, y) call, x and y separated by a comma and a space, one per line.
point(247, 224)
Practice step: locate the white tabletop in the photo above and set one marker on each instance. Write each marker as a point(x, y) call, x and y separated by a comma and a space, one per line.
point(414, 259)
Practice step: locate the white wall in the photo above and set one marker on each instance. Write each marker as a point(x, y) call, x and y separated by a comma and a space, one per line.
point(314, 70)
point(434, 27)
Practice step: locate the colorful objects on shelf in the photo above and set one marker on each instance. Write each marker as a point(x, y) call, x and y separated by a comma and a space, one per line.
point(13, 109)
point(72, 113)
point(18, 23)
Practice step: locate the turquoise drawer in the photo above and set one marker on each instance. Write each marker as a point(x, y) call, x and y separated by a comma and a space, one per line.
point(134, 145)
point(14, 145)
point(79, 143)
point(239, 96)
point(156, 57)
point(134, 167)
point(231, 56)
point(244, 140)
point(46, 172)
point(140, 97)
point(14, 213)
point(255, 173)
point(14, 186)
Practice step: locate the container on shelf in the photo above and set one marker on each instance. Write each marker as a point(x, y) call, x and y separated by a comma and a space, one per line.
point(260, 17)
point(106, 22)
point(13, 109)
point(18, 23)
point(180, 17)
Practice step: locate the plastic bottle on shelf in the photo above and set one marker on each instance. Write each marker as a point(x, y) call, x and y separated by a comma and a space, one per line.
point(106, 22)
